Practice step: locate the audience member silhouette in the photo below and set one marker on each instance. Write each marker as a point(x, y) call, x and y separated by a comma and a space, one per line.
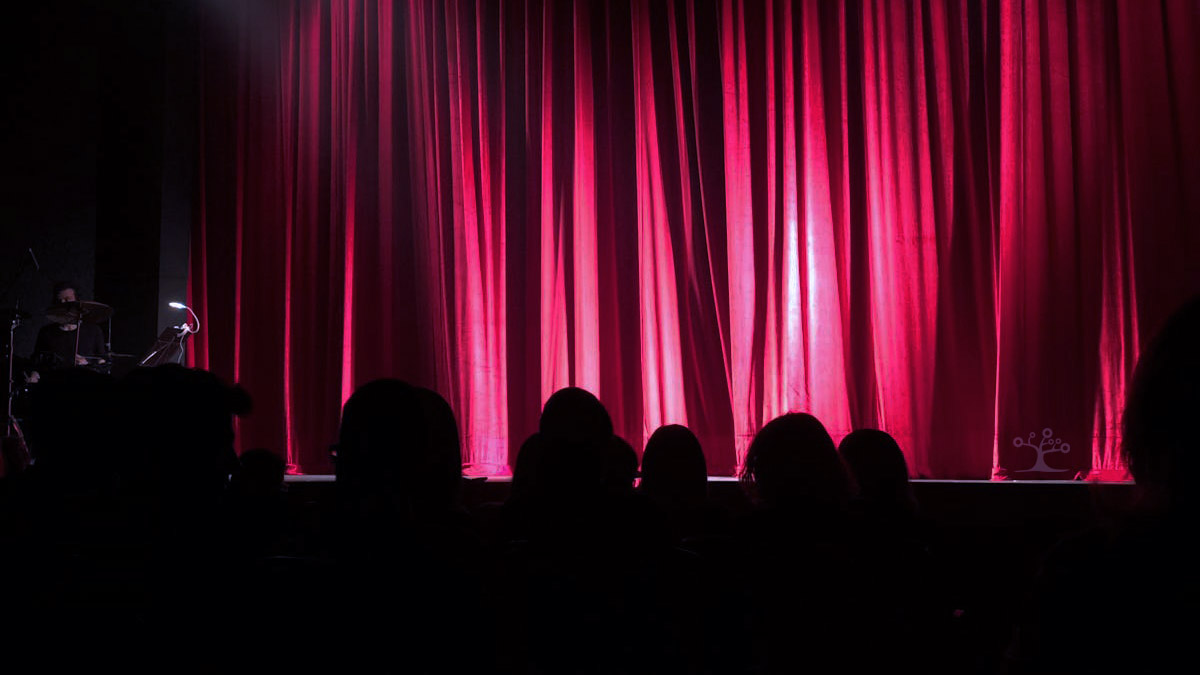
point(620, 467)
point(257, 506)
point(61, 511)
point(792, 464)
point(123, 504)
point(881, 475)
point(675, 478)
point(398, 455)
point(708, 618)
point(1154, 615)
point(408, 559)
point(524, 478)
point(260, 473)
point(576, 431)
point(584, 581)
point(513, 521)
point(178, 436)
point(177, 458)
point(1161, 442)
point(800, 570)
point(673, 469)
point(905, 578)
point(68, 411)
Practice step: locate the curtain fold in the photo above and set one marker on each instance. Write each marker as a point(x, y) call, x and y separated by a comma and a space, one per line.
point(955, 220)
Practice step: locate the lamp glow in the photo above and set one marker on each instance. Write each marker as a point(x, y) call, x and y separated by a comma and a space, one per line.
point(188, 327)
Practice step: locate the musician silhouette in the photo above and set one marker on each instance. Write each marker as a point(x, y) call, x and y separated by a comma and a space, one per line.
point(69, 340)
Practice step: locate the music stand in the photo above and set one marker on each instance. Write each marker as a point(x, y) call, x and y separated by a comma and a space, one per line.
point(168, 348)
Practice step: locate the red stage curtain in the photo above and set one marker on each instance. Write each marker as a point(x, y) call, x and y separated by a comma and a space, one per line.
point(954, 220)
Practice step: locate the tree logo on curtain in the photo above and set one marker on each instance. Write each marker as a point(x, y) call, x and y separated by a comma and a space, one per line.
point(1047, 445)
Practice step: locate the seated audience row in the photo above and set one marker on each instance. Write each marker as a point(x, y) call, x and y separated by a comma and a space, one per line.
point(160, 534)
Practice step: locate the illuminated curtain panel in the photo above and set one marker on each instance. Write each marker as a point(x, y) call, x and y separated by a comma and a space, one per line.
point(901, 219)
point(662, 362)
point(1042, 280)
point(459, 162)
point(817, 373)
point(739, 221)
point(786, 321)
point(1091, 187)
point(569, 301)
point(1157, 94)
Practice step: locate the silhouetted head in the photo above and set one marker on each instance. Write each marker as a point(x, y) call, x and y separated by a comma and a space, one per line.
point(176, 424)
point(398, 447)
point(792, 462)
point(673, 467)
point(525, 473)
point(620, 467)
point(878, 467)
point(1161, 441)
point(70, 416)
point(574, 416)
point(575, 431)
point(261, 473)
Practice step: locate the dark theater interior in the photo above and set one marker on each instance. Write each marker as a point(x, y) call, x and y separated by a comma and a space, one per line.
point(712, 337)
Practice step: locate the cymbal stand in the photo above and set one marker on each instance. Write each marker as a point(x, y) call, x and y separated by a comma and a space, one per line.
point(78, 330)
point(11, 427)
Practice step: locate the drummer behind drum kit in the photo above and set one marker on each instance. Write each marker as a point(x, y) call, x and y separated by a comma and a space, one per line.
point(169, 348)
point(67, 313)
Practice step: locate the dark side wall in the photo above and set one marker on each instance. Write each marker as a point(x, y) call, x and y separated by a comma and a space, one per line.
point(50, 128)
point(97, 141)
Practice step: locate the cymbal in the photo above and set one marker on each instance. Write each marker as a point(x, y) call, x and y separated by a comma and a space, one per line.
point(73, 312)
point(10, 313)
